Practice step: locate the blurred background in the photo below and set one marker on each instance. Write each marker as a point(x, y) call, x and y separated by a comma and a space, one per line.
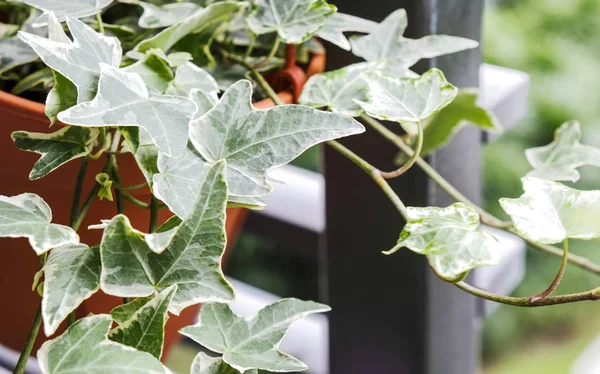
point(557, 42)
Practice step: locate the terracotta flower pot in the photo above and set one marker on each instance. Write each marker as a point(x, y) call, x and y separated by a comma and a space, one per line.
point(18, 262)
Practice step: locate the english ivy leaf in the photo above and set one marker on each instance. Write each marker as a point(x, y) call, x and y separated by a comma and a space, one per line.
point(203, 101)
point(196, 23)
point(145, 330)
point(28, 216)
point(7, 29)
point(386, 44)
point(124, 100)
point(407, 99)
point(105, 192)
point(64, 8)
point(189, 77)
point(154, 70)
point(156, 16)
point(295, 21)
point(14, 51)
point(549, 212)
point(84, 348)
point(339, 90)
point(57, 148)
point(143, 149)
point(72, 274)
point(441, 128)
point(60, 98)
point(41, 77)
point(204, 364)
point(559, 160)
point(334, 28)
point(256, 141)
point(192, 260)
point(80, 60)
point(124, 312)
point(177, 59)
point(252, 343)
point(450, 239)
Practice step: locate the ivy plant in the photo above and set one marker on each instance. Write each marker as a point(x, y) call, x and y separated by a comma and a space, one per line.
point(171, 84)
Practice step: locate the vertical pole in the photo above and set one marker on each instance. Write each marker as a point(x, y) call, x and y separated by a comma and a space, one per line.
point(390, 314)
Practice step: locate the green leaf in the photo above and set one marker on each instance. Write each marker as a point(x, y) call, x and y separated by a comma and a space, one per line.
point(72, 274)
point(549, 212)
point(386, 44)
point(84, 348)
point(28, 216)
point(105, 191)
point(252, 343)
point(407, 99)
point(41, 77)
point(441, 128)
point(196, 23)
point(204, 364)
point(154, 70)
point(145, 330)
point(80, 60)
point(64, 8)
point(189, 77)
point(144, 150)
point(450, 239)
point(334, 28)
point(559, 160)
point(7, 29)
point(295, 21)
point(60, 98)
point(256, 141)
point(57, 148)
point(124, 312)
point(124, 100)
point(192, 260)
point(339, 90)
point(14, 51)
point(156, 16)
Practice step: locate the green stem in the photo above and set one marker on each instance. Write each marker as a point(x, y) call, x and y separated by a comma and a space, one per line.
point(416, 154)
point(579, 261)
point(374, 173)
point(559, 274)
point(116, 176)
point(527, 301)
point(100, 23)
point(78, 189)
point(153, 213)
point(130, 188)
point(35, 328)
point(271, 54)
point(250, 46)
point(139, 203)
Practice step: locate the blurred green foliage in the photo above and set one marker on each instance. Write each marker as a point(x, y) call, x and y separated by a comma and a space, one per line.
point(558, 43)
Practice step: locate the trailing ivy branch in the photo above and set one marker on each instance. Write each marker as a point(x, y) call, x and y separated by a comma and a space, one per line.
point(202, 146)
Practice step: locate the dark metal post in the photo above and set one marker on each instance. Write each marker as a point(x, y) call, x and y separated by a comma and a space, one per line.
point(390, 314)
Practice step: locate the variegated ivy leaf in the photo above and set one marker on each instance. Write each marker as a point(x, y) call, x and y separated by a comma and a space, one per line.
point(7, 29)
point(14, 51)
point(156, 16)
point(407, 99)
point(339, 90)
point(42, 77)
point(450, 239)
point(61, 97)
point(154, 69)
point(252, 343)
point(196, 23)
point(64, 8)
point(145, 152)
point(192, 261)
point(180, 181)
point(439, 129)
point(386, 44)
point(256, 141)
point(549, 212)
point(84, 348)
point(204, 364)
point(124, 312)
point(560, 159)
point(79, 60)
point(334, 28)
point(57, 148)
point(72, 274)
point(145, 330)
point(295, 21)
point(105, 192)
point(28, 216)
point(124, 100)
point(189, 77)
point(204, 102)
